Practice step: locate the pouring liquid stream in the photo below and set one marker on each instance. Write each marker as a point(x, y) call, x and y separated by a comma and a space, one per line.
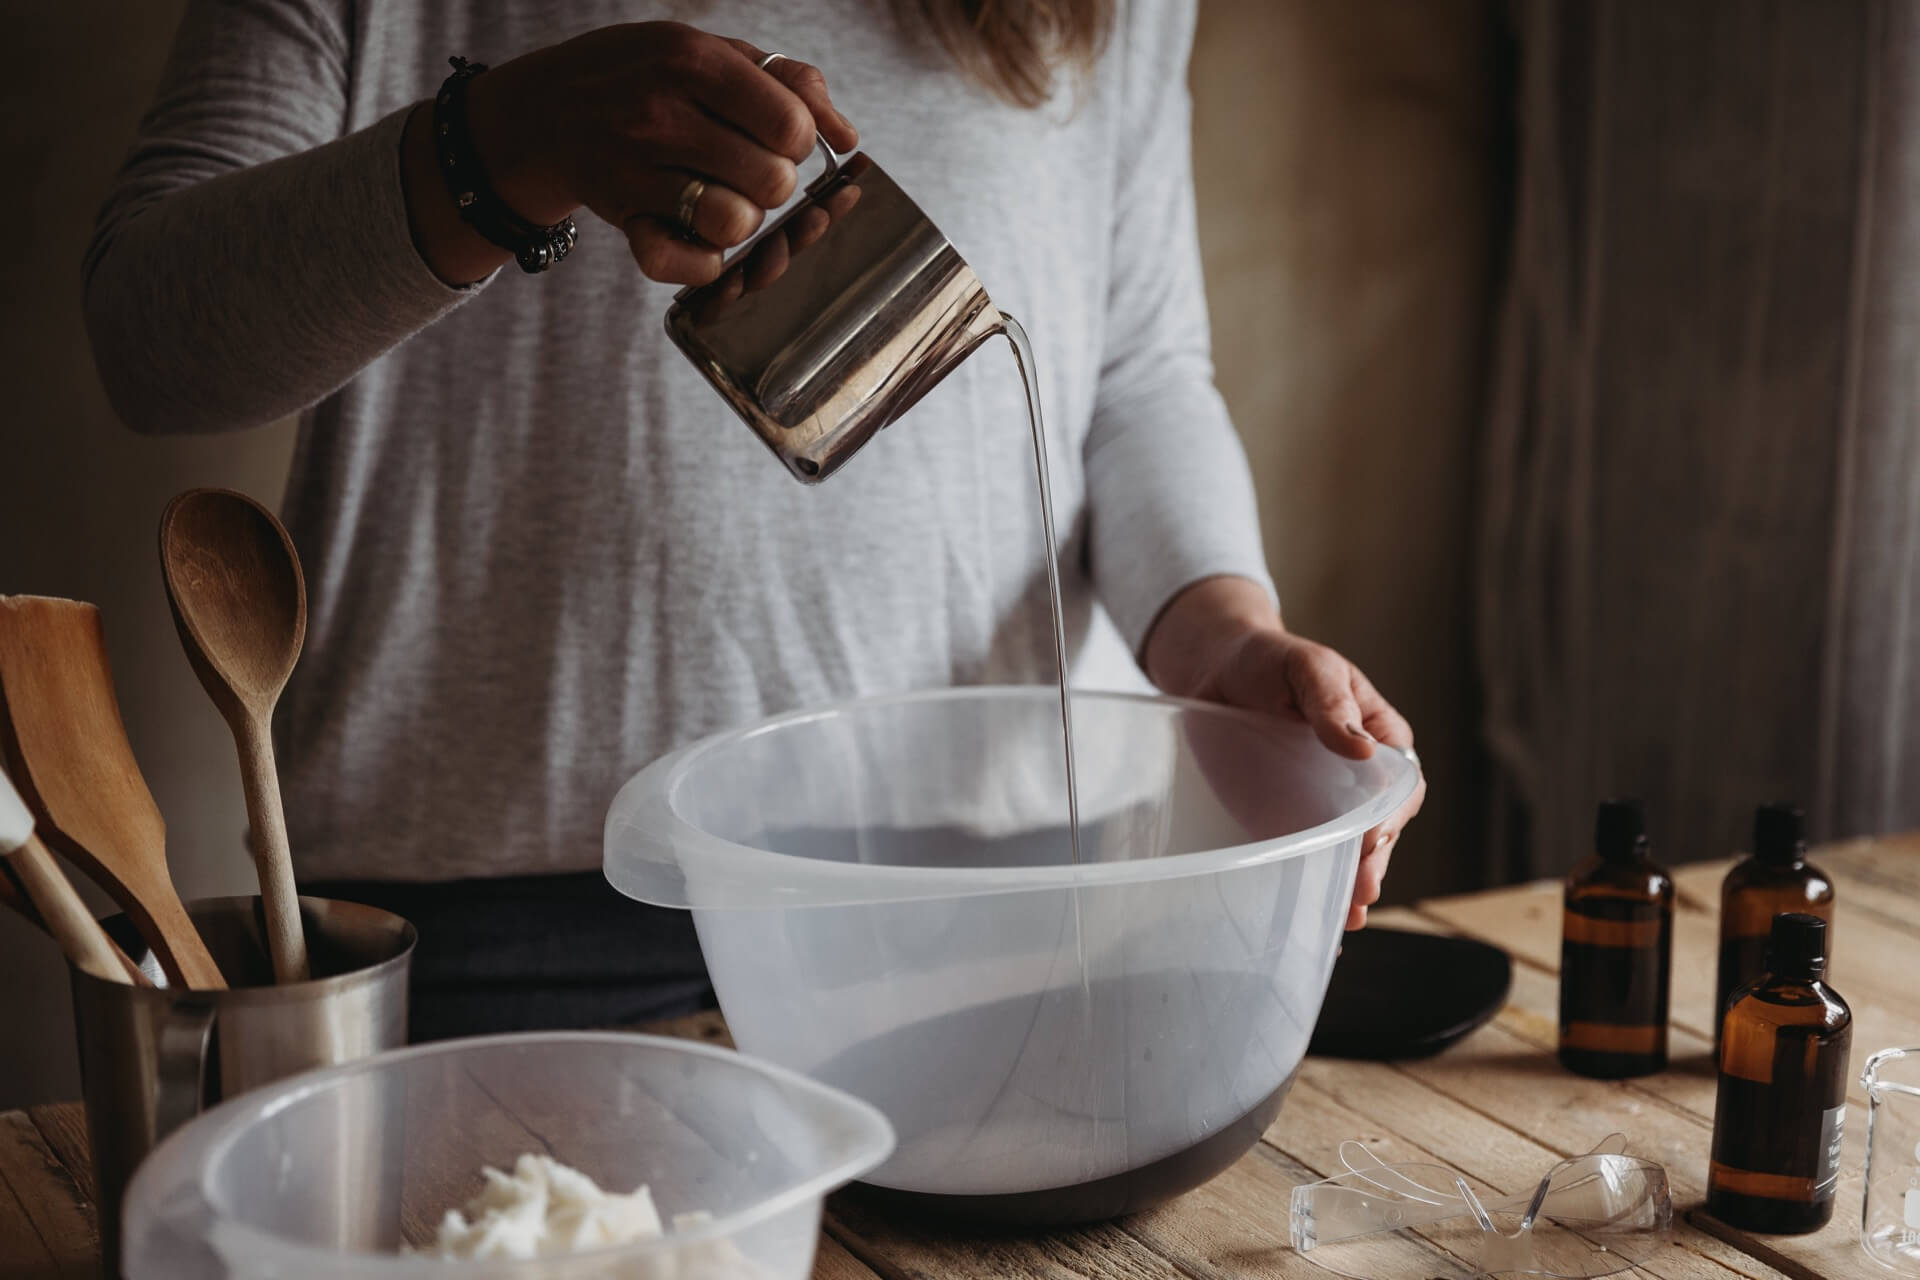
point(1023, 357)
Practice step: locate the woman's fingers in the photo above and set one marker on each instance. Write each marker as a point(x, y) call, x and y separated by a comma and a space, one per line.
point(664, 254)
point(720, 216)
point(1367, 881)
point(590, 122)
point(1412, 807)
point(1377, 715)
point(725, 81)
point(1390, 727)
point(648, 211)
point(808, 86)
point(1387, 725)
point(722, 154)
point(1371, 875)
point(1322, 684)
point(1274, 671)
point(1376, 852)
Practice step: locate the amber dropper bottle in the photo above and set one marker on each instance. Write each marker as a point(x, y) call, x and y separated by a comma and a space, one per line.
point(1776, 877)
point(1616, 952)
point(1783, 1089)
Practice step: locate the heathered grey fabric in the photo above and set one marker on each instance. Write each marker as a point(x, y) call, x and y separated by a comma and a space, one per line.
point(540, 550)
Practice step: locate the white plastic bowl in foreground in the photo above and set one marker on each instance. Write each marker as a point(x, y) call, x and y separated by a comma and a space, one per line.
point(886, 901)
point(326, 1174)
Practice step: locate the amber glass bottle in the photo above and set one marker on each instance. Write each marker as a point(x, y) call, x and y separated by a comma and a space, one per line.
point(1783, 1089)
point(1616, 952)
point(1776, 877)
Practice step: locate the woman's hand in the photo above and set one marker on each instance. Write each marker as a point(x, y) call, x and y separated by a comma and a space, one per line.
point(1222, 640)
point(619, 121)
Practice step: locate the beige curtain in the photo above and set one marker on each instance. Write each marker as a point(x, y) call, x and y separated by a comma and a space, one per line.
point(1699, 538)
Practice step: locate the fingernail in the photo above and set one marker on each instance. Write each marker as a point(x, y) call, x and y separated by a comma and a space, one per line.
point(1359, 732)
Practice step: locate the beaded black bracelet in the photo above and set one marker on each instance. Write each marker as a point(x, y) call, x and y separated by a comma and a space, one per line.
point(533, 246)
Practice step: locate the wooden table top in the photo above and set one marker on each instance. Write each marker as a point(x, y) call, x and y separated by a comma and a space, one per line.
point(1496, 1106)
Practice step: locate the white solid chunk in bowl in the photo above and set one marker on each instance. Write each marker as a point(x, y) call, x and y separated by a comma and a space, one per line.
point(332, 1173)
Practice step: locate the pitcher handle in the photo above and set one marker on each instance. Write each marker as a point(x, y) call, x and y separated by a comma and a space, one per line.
point(825, 148)
point(827, 174)
point(181, 1063)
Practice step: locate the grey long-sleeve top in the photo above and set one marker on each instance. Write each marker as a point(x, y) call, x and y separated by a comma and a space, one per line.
point(540, 550)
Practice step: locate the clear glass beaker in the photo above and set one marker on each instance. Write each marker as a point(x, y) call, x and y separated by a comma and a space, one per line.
point(1890, 1218)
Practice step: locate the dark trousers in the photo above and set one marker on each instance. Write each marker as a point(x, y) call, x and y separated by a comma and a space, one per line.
point(525, 953)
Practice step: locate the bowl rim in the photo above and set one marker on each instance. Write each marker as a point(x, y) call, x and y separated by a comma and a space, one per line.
point(189, 1155)
point(643, 827)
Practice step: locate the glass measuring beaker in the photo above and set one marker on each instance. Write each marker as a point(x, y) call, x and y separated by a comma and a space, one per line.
point(1890, 1217)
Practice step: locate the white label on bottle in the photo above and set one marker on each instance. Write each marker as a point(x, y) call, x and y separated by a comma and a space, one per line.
point(1831, 1126)
point(1913, 1209)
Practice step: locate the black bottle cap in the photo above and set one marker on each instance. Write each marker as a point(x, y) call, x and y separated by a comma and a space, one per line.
point(1779, 834)
point(1620, 831)
point(1797, 946)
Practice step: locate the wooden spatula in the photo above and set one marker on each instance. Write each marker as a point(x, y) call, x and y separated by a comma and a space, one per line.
point(68, 754)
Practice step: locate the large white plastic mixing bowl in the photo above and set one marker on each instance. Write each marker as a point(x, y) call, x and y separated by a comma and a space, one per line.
point(886, 898)
point(327, 1174)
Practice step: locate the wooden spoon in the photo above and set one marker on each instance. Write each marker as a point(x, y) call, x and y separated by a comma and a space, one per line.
point(68, 755)
point(240, 604)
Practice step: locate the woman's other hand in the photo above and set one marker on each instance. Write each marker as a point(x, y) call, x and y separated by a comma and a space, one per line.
point(1222, 640)
point(619, 121)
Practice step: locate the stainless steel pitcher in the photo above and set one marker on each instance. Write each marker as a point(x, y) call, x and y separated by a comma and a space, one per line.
point(836, 319)
point(151, 1058)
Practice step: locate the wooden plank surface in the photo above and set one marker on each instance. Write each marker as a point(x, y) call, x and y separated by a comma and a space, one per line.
point(1496, 1106)
point(46, 1225)
point(63, 1126)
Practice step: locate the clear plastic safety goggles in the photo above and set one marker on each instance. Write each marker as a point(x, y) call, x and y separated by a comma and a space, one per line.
point(1593, 1215)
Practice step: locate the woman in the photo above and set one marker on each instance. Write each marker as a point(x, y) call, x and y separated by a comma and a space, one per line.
point(540, 551)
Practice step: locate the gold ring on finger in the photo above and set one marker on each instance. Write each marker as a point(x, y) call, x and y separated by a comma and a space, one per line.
point(689, 201)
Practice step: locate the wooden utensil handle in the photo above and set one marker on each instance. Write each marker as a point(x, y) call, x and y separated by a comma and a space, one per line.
point(170, 931)
point(285, 939)
point(80, 936)
point(14, 898)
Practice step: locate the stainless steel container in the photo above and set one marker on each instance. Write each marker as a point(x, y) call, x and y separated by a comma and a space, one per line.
point(152, 1058)
point(836, 320)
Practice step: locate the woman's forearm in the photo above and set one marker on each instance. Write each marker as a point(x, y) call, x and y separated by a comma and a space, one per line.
point(1183, 649)
point(235, 300)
